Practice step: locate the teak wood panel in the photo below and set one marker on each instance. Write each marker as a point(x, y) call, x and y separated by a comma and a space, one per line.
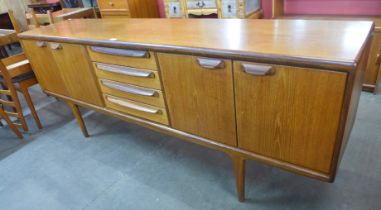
point(156, 114)
point(144, 63)
point(144, 8)
point(256, 40)
point(373, 68)
point(150, 82)
point(76, 70)
point(200, 101)
point(44, 67)
point(292, 115)
point(157, 99)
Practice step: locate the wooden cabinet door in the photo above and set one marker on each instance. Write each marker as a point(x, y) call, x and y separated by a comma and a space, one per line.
point(76, 70)
point(200, 99)
point(289, 114)
point(44, 66)
point(372, 70)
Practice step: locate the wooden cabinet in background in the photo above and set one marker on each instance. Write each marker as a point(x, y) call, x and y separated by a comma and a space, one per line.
point(128, 8)
point(213, 8)
point(373, 71)
point(202, 103)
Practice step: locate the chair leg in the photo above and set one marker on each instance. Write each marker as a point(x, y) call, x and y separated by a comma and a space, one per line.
point(78, 116)
point(8, 97)
point(20, 113)
point(25, 92)
point(11, 125)
point(239, 164)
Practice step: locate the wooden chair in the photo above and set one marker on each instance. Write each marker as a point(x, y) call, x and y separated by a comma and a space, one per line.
point(33, 25)
point(16, 75)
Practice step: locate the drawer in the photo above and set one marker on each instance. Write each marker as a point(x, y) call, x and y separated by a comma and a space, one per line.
point(113, 4)
point(123, 74)
point(115, 14)
point(137, 109)
point(132, 58)
point(135, 93)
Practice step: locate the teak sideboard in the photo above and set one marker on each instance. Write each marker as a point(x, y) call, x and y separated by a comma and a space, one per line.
point(282, 92)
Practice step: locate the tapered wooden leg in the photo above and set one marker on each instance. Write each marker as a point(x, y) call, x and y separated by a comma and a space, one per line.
point(239, 164)
point(24, 91)
point(11, 125)
point(78, 116)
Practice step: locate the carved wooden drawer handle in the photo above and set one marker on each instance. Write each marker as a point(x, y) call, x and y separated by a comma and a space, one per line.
point(111, 3)
point(125, 70)
point(121, 52)
point(210, 63)
point(55, 46)
point(41, 44)
point(129, 88)
point(378, 60)
point(133, 106)
point(258, 70)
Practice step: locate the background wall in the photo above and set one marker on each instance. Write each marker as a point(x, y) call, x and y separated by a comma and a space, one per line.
point(322, 7)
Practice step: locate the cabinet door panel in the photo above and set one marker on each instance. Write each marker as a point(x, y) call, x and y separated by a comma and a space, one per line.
point(77, 73)
point(291, 114)
point(44, 66)
point(200, 100)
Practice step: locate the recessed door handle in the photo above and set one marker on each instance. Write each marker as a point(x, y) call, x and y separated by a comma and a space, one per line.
point(41, 44)
point(133, 106)
point(129, 89)
point(121, 52)
point(258, 70)
point(210, 63)
point(378, 59)
point(55, 46)
point(125, 70)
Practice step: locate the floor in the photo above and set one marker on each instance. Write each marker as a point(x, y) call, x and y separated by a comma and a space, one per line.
point(124, 166)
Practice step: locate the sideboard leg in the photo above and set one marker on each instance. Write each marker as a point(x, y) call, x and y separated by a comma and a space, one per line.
point(78, 116)
point(239, 165)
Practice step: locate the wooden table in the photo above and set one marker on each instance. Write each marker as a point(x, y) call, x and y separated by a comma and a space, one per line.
point(282, 92)
point(64, 14)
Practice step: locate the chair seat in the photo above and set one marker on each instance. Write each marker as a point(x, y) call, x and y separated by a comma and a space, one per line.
point(20, 78)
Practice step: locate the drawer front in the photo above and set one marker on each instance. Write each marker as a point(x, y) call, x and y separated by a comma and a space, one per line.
point(115, 14)
point(113, 4)
point(123, 74)
point(288, 113)
point(132, 92)
point(137, 109)
point(132, 58)
point(108, 16)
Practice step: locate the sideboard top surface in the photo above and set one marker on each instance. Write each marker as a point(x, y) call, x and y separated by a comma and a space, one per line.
point(312, 42)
